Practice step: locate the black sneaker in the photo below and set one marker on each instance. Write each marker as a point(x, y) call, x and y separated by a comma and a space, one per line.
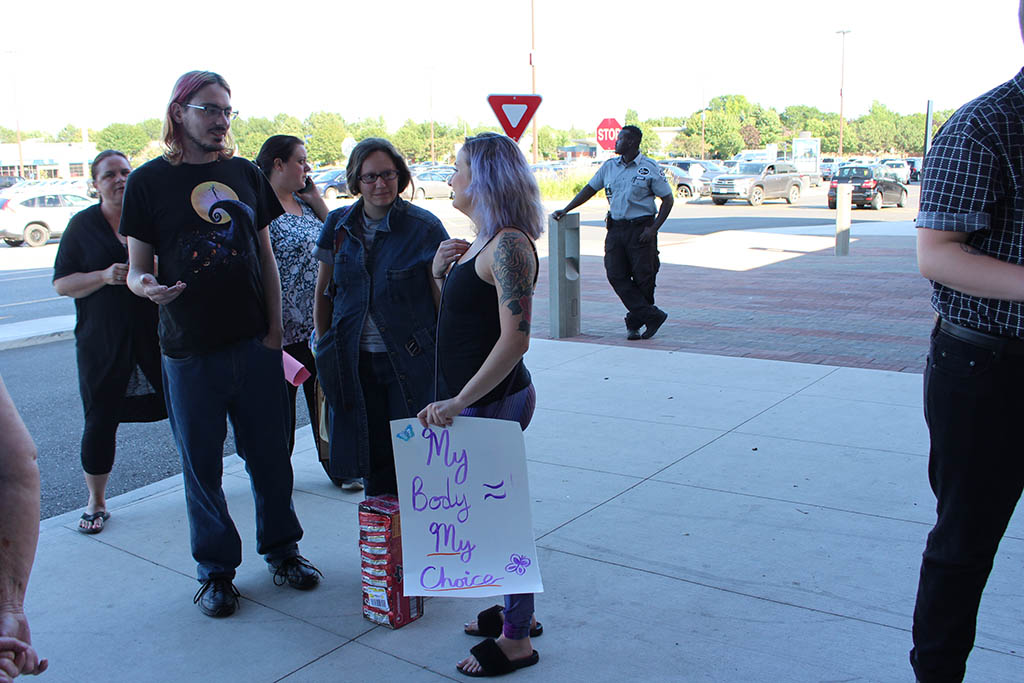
point(217, 598)
point(654, 325)
point(296, 571)
point(632, 334)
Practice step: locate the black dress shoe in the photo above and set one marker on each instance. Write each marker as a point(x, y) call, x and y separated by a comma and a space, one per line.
point(217, 598)
point(654, 325)
point(296, 571)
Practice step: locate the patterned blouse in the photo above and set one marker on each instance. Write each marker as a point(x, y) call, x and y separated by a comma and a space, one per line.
point(294, 239)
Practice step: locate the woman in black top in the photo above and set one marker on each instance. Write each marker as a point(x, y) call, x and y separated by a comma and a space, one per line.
point(115, 333)
point(483, 332)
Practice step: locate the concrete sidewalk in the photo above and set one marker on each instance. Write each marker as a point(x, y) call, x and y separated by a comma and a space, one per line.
point(698, 518)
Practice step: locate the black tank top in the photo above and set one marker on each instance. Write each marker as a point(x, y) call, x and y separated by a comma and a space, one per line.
point(468, 328)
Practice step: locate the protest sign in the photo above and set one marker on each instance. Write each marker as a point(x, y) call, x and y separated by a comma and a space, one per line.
point(466, 526)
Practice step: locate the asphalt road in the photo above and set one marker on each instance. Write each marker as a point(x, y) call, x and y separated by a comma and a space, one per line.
point(44, 382)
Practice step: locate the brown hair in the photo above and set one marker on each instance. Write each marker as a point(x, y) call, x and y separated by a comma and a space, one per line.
point(364, 149)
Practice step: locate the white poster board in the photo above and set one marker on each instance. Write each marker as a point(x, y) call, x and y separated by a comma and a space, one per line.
point(467, 531)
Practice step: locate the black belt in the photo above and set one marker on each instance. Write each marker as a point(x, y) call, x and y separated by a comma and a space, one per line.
point(986, 340)
point(641, 222)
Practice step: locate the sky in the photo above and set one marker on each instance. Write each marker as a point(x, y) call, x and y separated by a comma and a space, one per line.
point(92, 64)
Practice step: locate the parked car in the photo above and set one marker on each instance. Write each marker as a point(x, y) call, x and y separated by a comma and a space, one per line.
point(873, 186)
point(685, 185)
point(900, 168)
point(33, 217)
point(332, 184)
point(916, 166)
point(828, 166)
point(431, 185)
point(9, 180)
point(699, 168)
point(758, 181)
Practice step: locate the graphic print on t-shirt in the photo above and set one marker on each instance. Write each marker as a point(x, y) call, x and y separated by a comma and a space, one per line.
point(206, 251)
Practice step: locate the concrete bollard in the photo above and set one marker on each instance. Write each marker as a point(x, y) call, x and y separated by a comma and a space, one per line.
point(844, 207)
point(564, 276)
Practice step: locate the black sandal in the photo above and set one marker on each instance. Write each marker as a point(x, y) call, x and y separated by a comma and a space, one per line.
point(494, 662)
point(489, 624)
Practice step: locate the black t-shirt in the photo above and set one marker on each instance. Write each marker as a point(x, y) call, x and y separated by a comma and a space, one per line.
point(202, 221)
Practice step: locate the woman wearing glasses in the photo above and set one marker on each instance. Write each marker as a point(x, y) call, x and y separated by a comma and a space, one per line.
point(293, 235)
point(483, 332)
point(375, 314)
point(116, 344)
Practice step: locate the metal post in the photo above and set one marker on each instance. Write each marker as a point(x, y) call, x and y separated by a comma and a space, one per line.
point(842, 79)
point(927, 130)
point(564, 276)
point(844, 207)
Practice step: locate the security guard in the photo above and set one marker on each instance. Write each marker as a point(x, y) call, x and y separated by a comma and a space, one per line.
point(631, 181)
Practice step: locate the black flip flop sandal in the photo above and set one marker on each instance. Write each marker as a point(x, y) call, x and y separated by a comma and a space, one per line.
point(494, 662)
point(101, 515)
point(489, 624)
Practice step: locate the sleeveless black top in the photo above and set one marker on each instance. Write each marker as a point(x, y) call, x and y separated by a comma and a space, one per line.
point(467, 329)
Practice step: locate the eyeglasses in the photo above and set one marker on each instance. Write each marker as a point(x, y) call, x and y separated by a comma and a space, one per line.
point(212, 110)
point(371, 178)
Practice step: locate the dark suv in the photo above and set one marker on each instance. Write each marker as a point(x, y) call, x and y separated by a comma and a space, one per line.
point(756, 181)
point(872, 186)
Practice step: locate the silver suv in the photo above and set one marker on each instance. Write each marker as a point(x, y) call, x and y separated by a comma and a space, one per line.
point(757, 181)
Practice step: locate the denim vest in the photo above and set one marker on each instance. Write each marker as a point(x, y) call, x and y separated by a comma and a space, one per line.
point(395, 277)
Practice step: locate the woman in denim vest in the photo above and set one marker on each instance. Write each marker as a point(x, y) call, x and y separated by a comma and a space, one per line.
point(375, 314)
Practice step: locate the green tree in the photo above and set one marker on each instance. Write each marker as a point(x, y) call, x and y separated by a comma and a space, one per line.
point(250, 134)
point(125, 137)
point(768, 124)
point(153, 128)
point(326, 133)
point(796, 117)
point(877, 129)
point(69, 133)
point(368, 128)
point(685, 144)
point(549, 139)
point(413, 140)
point(650, 143)
point(722, 134)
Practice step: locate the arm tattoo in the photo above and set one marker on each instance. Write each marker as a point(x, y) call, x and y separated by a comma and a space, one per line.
point(513, 269)
point(968, 249)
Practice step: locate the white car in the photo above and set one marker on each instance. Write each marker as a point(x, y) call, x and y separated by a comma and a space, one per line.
point(33, 217)
point(900, 168)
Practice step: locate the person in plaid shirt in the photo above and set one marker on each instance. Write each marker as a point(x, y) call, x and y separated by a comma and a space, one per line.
point(970, 244)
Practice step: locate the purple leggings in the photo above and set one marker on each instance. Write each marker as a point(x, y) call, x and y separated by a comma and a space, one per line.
point(517, 407)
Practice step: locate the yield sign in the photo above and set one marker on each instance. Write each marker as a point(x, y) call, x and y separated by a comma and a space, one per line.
point(514, 112)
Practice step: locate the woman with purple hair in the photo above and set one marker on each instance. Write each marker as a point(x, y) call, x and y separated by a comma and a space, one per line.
point(483, 331)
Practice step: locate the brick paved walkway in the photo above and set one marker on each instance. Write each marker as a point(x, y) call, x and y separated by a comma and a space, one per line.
point(868, 310)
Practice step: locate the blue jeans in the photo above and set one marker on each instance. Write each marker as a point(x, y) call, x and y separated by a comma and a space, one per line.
point(242, 382)
point(973, 403)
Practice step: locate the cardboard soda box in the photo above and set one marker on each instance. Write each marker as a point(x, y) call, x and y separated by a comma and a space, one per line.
point(380, 547)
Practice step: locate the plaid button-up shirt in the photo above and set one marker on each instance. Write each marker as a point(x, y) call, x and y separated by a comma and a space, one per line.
point(973, 182)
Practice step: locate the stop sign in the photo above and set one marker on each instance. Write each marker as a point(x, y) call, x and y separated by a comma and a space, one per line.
point(607, 131)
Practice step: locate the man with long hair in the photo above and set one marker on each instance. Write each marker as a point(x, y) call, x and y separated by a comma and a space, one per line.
point(205, 214)
point(969, 244)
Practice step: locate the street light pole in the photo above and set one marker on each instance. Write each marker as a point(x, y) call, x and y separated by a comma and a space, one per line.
point(842, 78)
point(533, 77)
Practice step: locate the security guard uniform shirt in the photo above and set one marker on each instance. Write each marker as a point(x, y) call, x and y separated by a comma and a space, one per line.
point(630, 188)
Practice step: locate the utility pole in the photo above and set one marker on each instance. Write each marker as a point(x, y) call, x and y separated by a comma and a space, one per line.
point(702, 148)
point(533, 76)
point(842, 78)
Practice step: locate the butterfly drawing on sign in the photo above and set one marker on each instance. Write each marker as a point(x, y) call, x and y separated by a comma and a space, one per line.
point(406, 433)
point(517, 564)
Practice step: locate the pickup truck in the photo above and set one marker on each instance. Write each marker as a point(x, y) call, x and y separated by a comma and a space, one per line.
point(757, 181)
